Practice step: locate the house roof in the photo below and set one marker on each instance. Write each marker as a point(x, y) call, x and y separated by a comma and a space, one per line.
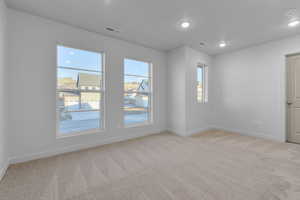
point(66, 83)
point(86, 80)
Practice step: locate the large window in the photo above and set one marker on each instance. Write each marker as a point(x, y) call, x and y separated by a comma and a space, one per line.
point(202, 83)
point(137, 92)
point(80, 91)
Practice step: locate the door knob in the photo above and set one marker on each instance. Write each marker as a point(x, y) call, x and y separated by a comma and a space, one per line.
point(289, 102)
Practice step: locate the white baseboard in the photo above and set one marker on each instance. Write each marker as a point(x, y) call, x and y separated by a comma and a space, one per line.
point(3, 169)
point(241, 132)
point(176, 132)
point(73, 148)
point(200, 130)
point(252, 133)
point(190, 133)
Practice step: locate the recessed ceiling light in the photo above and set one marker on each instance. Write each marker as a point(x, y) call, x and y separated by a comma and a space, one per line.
point(222, 44)
point(107, 2)
point(185, 25)
point(294, 23)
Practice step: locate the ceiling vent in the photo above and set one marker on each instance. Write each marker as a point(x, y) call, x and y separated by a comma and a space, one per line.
point(112, 29)
point(202, 44)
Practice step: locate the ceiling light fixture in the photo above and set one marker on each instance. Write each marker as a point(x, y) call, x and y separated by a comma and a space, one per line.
point(294, 23)
point(185, 25)
point(222, 44)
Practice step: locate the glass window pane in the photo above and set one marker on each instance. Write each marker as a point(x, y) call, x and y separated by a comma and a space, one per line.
point(205, 85)
point(199, 75)
point(90, 100)
point(200, 93)
point(67, 101)
point(79, 80)
point(78, 121)
point(137, 88)
point(134, 67)
point(199, 84)
point(136, 107)
point(80, 59)
point(136, 84)
point(75, 101)
point(76, 79)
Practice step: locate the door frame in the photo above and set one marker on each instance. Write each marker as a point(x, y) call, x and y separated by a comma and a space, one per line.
point(286, 76)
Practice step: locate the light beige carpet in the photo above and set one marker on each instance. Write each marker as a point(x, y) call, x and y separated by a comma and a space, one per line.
point(211, 166)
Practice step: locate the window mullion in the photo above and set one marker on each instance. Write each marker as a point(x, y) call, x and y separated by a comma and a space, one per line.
point(80, 90)
point(79, 69)
point(81, 110)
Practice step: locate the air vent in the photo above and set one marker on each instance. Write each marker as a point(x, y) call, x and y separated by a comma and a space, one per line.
point(112, 29)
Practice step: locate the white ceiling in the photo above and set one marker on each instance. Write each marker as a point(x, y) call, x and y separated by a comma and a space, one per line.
point(154, 23)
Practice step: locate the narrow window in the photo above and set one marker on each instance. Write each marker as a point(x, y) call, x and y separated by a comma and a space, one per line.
point(80, 91)
point(202, 83)
point(137, 92)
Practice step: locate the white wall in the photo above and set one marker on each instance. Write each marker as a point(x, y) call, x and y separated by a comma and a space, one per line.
point(3, 85)
point(249, 89)
point(185, 115)
point(176, 90)
point(32, 83)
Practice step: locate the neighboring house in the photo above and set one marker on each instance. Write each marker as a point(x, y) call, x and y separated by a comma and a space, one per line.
point(66, 83)
point(67, 99)
point(88, 81)
point(82, 94)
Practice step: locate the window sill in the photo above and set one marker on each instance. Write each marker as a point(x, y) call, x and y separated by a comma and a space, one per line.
point(80, 133)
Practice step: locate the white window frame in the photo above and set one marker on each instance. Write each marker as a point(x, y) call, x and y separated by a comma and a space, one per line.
point(205, 83)
point(102, 103)
point(150, 95)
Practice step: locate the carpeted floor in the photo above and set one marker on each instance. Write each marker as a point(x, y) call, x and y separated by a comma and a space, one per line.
point(211, 166)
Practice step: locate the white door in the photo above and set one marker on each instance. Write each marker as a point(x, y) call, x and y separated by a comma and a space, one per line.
point(293, 98)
